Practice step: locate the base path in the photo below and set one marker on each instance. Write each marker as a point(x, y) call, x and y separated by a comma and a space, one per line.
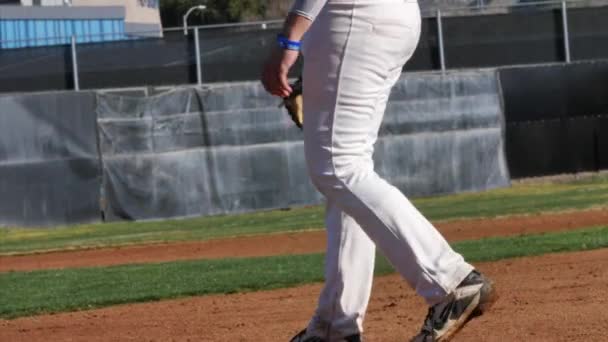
point(291, 243)
point(559, 297)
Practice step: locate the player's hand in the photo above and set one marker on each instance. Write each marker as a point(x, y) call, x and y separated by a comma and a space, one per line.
point(274, 76)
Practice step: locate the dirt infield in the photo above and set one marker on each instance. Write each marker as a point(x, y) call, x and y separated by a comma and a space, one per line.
point(292, 243)
point(559, 297)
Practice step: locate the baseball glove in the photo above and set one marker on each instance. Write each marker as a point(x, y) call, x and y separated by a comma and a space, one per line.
point(294, 103)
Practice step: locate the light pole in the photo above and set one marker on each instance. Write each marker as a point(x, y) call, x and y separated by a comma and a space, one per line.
point(197, 47)
point(192, 9)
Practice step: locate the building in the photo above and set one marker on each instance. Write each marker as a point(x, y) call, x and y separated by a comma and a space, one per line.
point(28, 23)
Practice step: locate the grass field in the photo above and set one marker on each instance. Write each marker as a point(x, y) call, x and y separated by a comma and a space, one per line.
point(28, 293)
point(519, 199)
point(47, 291)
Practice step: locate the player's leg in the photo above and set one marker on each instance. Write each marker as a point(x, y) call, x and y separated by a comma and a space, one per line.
point(349, 267)
point(352, 56)
point(351, 62)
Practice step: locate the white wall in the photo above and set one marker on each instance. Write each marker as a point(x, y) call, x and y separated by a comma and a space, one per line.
point(43, 2)
point(135, 11)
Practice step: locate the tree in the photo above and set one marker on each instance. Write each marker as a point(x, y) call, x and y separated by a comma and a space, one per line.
point(221, 11)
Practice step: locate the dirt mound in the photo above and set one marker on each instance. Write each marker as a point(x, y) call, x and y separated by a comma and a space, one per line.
point(291, 243)
point(559, 297)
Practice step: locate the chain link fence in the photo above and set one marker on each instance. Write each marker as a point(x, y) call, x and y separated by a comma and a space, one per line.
point(458, 34)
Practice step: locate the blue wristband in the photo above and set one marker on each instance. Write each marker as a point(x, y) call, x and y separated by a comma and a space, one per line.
point(287, 44)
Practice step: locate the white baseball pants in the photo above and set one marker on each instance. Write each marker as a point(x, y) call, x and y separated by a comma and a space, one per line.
point(353, 55)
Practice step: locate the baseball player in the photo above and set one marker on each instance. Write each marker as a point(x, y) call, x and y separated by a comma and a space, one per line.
point(354, 52)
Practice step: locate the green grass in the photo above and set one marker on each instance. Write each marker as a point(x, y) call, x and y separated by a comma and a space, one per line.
point(519, 199)
point(29, 293)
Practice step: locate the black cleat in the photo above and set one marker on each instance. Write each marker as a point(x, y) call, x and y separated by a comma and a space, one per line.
point(472, 297)
point(301, 337)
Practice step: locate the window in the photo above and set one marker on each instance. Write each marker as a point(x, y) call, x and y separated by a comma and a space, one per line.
point(148, 3)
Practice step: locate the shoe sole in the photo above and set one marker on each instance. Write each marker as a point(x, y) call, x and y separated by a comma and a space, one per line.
point(477, 308)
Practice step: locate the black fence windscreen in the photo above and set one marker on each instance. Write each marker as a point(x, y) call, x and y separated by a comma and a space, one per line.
point(49, 165)
point(503, 39)
point(588, 33)
point(237, 54)
point(555, 91)
point(426, 56)
point(228, 148)
point(556, 147)
point(66, 157)
point(557, 118)
point(211, 145)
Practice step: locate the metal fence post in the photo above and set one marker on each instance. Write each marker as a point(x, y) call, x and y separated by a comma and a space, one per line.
point(440, 36)
point(75, 65)
point(566, 31)
point(197, 47)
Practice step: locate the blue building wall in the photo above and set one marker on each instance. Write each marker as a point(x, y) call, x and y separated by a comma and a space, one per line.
point(18, 33)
